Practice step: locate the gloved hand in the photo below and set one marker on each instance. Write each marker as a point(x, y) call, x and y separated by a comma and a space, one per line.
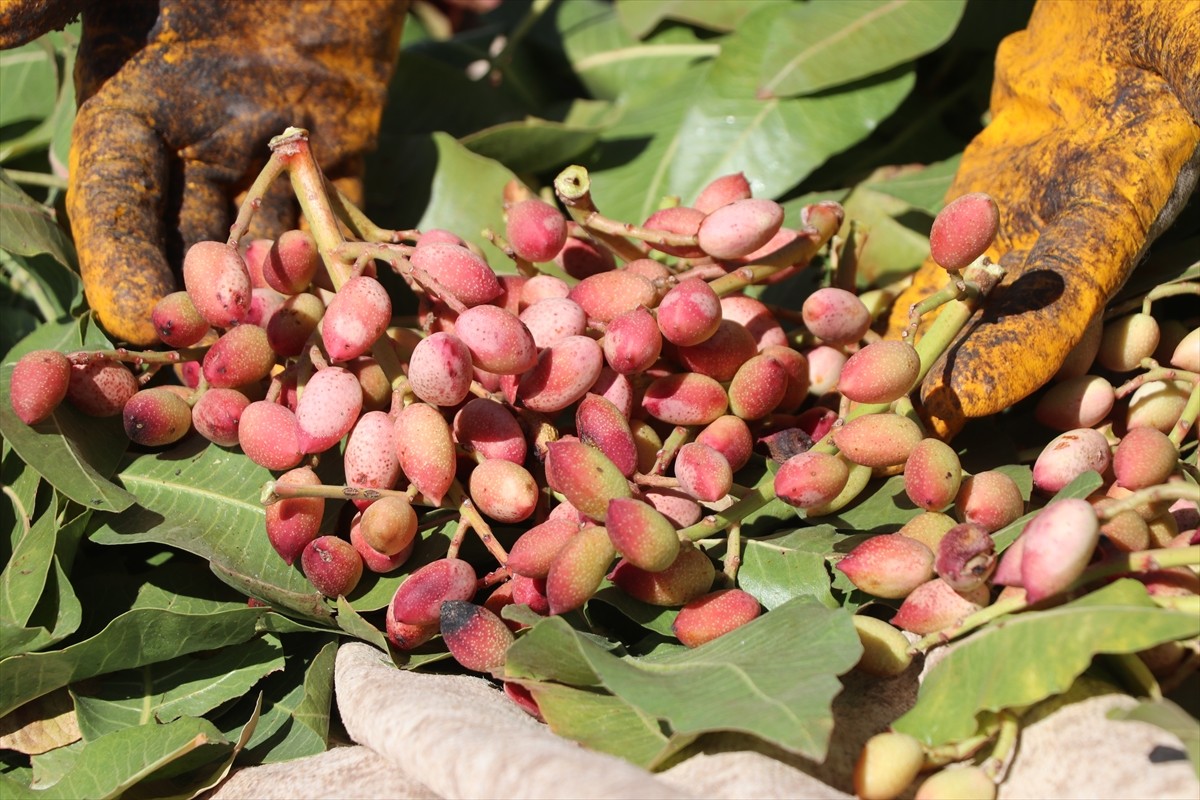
point(178, 99)
point(1093, 148)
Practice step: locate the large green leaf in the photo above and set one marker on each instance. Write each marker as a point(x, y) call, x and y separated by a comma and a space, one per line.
point(190, 685)
point(297, 703)
point(921, 187)
point(680, 136)
point(531, 145)
point(467, 196)
point(57, 615)
point(776, 569)
point(773, 678)
point(895, 236)
point(137, 637)
point(790, 49)
point(56, 291)
point(605, 723)
point(639, 17)
point(28, 227)
point(28, 84)
point(611, 63)
point(1029, 657)
point(204, 499)
point(113, 764)
point(24, 575)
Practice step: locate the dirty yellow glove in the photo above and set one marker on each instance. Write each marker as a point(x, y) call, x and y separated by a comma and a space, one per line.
point(178, 99)
point(1093, 148)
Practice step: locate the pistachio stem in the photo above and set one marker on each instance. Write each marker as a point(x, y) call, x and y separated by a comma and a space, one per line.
point(759, 496)
point(733, 553)
point(574, 189)
point(996, 764)
point(1151, 494)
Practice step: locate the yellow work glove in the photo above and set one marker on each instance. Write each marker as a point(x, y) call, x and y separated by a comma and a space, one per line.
point(1093, 148)
point(178, 99)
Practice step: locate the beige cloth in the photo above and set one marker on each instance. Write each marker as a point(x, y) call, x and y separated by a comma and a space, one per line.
point(435, 736)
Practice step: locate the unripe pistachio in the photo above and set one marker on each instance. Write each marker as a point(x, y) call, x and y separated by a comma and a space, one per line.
point(888, 763)
point(1126, 341)
point(885, 650)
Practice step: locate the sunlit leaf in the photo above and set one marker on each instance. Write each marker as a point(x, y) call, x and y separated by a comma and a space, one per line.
point(204, 499)
point(190, 685)
point(776, 569)
point(639, 17)
point(138, 637)
point(774, 677)
point(611, 63)
point(1032, 656)
point(114, 763)
point(680, 136)
point(788, 49)
point(605, 723)
point(28, 227)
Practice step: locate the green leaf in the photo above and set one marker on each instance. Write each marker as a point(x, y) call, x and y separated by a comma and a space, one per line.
point(1170, 717)
point(50, 767)
point(352, 623)
point(295, 722)
point(531, 145)
point(24, 575)
point(45, 284)
point(137, 637)
point(897, 238)
point(800, 48)
point(466, 195)
point(610, 63)
point(605, 723)
point(677, 138)
point(203, 499)
point(57, 616)
point(1026, 658)
point(653, 618)
point(882, 508)
point(639, 17)
point(112, 764)
point(28, 84)
point(190, 685)
point(774, 678)
point(28, 227)
point(1078, 489)
point(776, 569)
point(922, 187)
